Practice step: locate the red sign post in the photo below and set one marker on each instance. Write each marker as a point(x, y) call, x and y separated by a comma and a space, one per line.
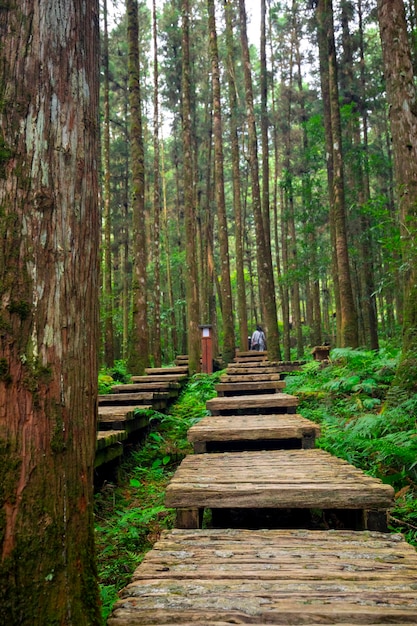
point(207, 349)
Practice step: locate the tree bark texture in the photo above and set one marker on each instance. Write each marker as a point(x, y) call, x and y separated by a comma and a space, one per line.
point(106, 241)
point(398, 71)
point(225, 285)
point(156, 200)
point(191, 280)
point(263, 251)
point(348, 316)
point(237, 201)
point(139, 343)
point(49, 280)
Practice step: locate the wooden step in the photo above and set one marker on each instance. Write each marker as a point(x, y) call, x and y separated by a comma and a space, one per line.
point(262, 403)
point(109, 446)
point(181, 359)
point(156, 378)
point(251, 357)
point(122, 418)
point(162, 385)
point(167, 371)
point(244, 378)
point(168, 386)
point(242, 354)
point(257, 365)
point(109, 437)
point(277, 577)
point(252, 432)
point(242, 369)
point(277, 480)
point(132, 399)
point(251, 387)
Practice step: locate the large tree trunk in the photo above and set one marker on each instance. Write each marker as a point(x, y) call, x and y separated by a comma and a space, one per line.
point(228, 352)
point(348, 317)
point(264, 128)
point(156, 201)
point(107, 256)
point(191, 281)
point(263, 251)
point(237, 202)
point(49, 275)
point(402, 97)
point(139, 343)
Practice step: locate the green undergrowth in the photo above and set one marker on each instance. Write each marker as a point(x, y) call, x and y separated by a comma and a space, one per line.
point(130, 513)
point(365, 421)
point(117, 375)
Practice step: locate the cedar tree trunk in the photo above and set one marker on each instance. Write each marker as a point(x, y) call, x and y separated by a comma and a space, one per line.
point(49, 278)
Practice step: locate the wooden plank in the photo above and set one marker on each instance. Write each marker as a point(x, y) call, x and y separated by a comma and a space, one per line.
point(267, 386)
point(280, 402)
point(275, 479)
point(272, 577)
point(243, 369)
point(256, 365)
point(252, 427)
point(243, 378)
point(156, 378)
point(114, 418)
point(165, 385)
point(132, 399)
point(248, 353)
point(179, 369)
point(109, 437)
point(108, 413)
point(252, 357)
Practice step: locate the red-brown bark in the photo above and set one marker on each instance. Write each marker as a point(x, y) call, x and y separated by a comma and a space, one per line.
point(49, 277)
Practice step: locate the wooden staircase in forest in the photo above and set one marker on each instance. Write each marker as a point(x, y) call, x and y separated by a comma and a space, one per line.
point(119, 414)
point(293, 535)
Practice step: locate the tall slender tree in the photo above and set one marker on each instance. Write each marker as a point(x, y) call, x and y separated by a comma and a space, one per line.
point(263, 251)
point(226, 289)
point(107, 256)
point(236, 177)
point(156, 198)
point(49, 281)
point(139, 341)
point(348, 331)
point(193, 316)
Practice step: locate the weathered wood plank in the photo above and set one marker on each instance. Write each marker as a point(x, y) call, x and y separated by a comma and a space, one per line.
point(268, 386)
point(280, 402)
point(274, 479)
point(178, 369)
point(110, 413)
point(249, 353)
point(156, 378)
point(145, 385)
point(137, 398)
point(256, 365)
point(109, 437)
point(272, 577)
point(252, 357)
point(252, 428)
point(244, 378)
point(265, 367)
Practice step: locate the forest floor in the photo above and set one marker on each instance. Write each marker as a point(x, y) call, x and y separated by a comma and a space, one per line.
point(363, 420)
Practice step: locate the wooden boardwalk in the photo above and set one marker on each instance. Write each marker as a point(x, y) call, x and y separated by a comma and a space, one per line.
point(276, 479)
point(235, 576)
point(119, 416)
point(292, 533)
point(223, 433)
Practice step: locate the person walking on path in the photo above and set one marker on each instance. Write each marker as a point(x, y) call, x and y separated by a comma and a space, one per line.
point(258, 341)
